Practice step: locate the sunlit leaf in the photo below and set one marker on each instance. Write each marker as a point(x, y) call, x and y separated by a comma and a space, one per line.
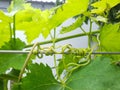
point(28, 14)
point(102, 5)
point(74, 26)
point(112, 3)
point(64, 12)
point(4, 18)
point(33, 20)
point(4, 28)
point(4, 33)
point(15, 6)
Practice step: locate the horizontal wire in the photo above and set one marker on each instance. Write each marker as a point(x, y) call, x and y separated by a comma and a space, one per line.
point(43, 52)
point(13, 52)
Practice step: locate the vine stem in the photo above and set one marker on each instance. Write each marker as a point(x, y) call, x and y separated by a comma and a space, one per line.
point(14, 29)
point(64, 38)
point(83, 30)
point(54, 56)
point(5, 84)
point(89, 35)
point(10, 31)
point(26, 62)
point(55, 64)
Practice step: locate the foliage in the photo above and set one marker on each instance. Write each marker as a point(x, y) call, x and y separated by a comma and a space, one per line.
point(114, 15)
point(109, 37)
point(14, 61)
point(15, 6)
point(103, 5)
point(45, 21)
point(74, 26)
point(85, 78)
point(43, 80)
point(76, 69)
point(4, 28)
point(1, 84)
point(93, 77)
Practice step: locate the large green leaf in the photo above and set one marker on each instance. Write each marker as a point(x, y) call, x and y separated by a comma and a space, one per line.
point(74, 26)
point(39, 78)
point(100, 74)
point(12, 60)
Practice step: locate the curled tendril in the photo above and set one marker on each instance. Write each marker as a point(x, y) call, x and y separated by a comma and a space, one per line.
point(39, 55)
point(66, 48)
point(49, 51)
point(80, 54)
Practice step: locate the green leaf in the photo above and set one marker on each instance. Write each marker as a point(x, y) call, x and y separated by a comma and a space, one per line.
point(15, 6)
point(112, 3)
point(40, 77)
point(102, 5)
point(64, 12)
point(100, 74)
point(110, 37)
point(15, 61)
point(4, 28)
point(12, 75)
point(33, 20)
point(4, 33)
point(4, 17)
point(28, 14)
point(74, 26)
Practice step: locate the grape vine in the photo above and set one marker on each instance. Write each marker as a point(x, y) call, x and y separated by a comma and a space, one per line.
point(77, 68)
